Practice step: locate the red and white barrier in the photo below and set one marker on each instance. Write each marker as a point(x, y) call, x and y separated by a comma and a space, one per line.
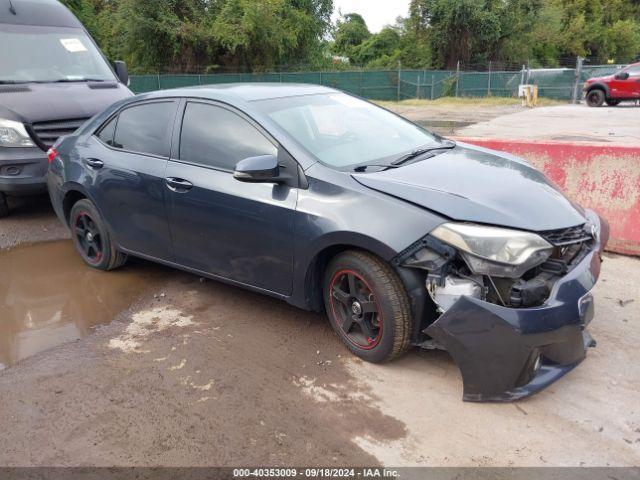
point(599, 176)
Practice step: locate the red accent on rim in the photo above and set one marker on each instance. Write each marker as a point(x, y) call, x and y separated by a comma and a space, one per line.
point(371, 343)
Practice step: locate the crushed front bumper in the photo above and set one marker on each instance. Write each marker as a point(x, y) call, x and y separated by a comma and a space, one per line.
point(505, 354)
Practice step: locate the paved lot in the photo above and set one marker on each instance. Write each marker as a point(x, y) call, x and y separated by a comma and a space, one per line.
point(199, 373)
point(568, 123)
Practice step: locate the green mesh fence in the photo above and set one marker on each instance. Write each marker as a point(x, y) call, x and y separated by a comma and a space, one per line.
point(398, 85)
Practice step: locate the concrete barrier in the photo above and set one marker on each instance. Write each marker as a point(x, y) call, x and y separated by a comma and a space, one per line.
point(599, 176)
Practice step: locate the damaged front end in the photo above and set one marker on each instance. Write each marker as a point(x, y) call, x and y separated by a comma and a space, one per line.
point(510, 307)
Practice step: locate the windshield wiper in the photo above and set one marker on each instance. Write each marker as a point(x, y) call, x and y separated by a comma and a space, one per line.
point(71, 80)
point(446, 145)
point(363, 168)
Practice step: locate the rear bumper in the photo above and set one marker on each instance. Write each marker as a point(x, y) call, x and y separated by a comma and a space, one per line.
point(505, 354)
point(23, 171)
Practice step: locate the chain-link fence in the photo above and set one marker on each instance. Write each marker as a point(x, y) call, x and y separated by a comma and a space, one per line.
point(403, 84)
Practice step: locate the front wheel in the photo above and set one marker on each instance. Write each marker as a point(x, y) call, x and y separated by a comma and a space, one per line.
point(368, 306)
point(4, 205)
point(595, 98)
point(91, 237)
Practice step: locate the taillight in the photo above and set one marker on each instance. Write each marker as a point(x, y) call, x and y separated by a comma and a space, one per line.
point(52, 153)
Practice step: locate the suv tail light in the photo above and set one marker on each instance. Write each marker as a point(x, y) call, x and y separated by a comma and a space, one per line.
point(52, 153)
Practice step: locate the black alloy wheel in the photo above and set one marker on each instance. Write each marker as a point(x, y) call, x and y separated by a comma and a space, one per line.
point(91, 237)
point(356, 308)
point(368, 306)
point(88, 237)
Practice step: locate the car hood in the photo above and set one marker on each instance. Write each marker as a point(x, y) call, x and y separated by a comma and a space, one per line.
point(474, 184)
point(605, 78)
point(38, 102)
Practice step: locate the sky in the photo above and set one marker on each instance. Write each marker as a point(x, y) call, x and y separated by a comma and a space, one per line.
point(377, 13)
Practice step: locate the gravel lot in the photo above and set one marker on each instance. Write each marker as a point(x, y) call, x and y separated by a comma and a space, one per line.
point(193, 373)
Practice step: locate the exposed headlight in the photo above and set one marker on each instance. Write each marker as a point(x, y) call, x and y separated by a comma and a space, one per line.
point(13, 134)
point(495, 251)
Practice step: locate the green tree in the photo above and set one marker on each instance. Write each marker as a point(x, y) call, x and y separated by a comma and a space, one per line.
point(350, 32)
point(379, 50)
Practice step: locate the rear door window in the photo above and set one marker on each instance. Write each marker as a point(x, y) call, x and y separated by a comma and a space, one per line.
point(146, 128)
point(216, 137)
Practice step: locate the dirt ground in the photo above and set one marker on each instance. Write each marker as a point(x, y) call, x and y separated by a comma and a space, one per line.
point(32, 220)
point(191, 373)
point(450, 117)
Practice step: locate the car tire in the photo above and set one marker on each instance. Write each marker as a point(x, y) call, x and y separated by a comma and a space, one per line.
point(4, 205)
point(91, 237)
point(368, 306)
point(612, 103)
point(595, 98)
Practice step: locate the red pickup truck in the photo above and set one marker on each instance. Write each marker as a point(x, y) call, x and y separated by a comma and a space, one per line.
point(613, 89)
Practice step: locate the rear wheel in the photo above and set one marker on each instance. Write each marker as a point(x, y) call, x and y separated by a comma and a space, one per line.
point(368, 306)
point(4, 205)
point(595, 98)
point(612, 103)
point(91, 238)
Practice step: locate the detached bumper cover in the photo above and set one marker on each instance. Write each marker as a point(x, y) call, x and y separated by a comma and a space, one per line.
point(505, 354)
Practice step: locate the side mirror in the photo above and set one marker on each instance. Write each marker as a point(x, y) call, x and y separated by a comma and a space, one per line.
point(262, 169)
point(622, 75)
point(121, 71)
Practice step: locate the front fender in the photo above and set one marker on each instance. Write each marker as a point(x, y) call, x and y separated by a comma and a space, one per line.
point(601, 86)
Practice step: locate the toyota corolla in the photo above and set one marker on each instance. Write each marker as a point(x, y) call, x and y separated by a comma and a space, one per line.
point(331, 203)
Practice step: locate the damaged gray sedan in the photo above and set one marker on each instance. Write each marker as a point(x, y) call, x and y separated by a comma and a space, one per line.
point(331, 203)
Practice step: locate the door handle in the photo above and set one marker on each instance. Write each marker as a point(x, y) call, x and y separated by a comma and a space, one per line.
point(93, 163)
point(178, 185)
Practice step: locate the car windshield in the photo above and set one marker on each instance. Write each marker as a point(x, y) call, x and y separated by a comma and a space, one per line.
point(344, 131)
point(633, 69)
point(49, 54)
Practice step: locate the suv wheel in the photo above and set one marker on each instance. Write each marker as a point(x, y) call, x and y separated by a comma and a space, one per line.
point(595, 98)
point(612, 103)
point(91, 237)
point(368, 306)
point(4, 205)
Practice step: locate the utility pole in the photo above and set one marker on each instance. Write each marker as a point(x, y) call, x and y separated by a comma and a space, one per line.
point(575, 96)
point(457, 77)
point(489, 81)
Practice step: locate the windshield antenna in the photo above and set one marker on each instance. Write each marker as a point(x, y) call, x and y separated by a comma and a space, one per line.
point(12, 8)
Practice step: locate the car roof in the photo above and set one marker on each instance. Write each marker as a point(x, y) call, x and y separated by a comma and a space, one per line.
point(244, 92)
point(50, 13)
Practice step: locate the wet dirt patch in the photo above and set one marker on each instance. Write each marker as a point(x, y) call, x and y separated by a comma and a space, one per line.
point(48, 296)
point(217, 376)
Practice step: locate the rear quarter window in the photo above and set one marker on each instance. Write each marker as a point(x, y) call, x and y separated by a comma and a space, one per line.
point(105, 133)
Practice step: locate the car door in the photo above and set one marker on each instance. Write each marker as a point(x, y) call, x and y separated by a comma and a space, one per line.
point(128, 159)
point(219, 225)
point(628, 87)
point(634, 82)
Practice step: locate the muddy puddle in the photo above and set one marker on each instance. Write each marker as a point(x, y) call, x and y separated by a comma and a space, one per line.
point(443, 127)
point(48, 296)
